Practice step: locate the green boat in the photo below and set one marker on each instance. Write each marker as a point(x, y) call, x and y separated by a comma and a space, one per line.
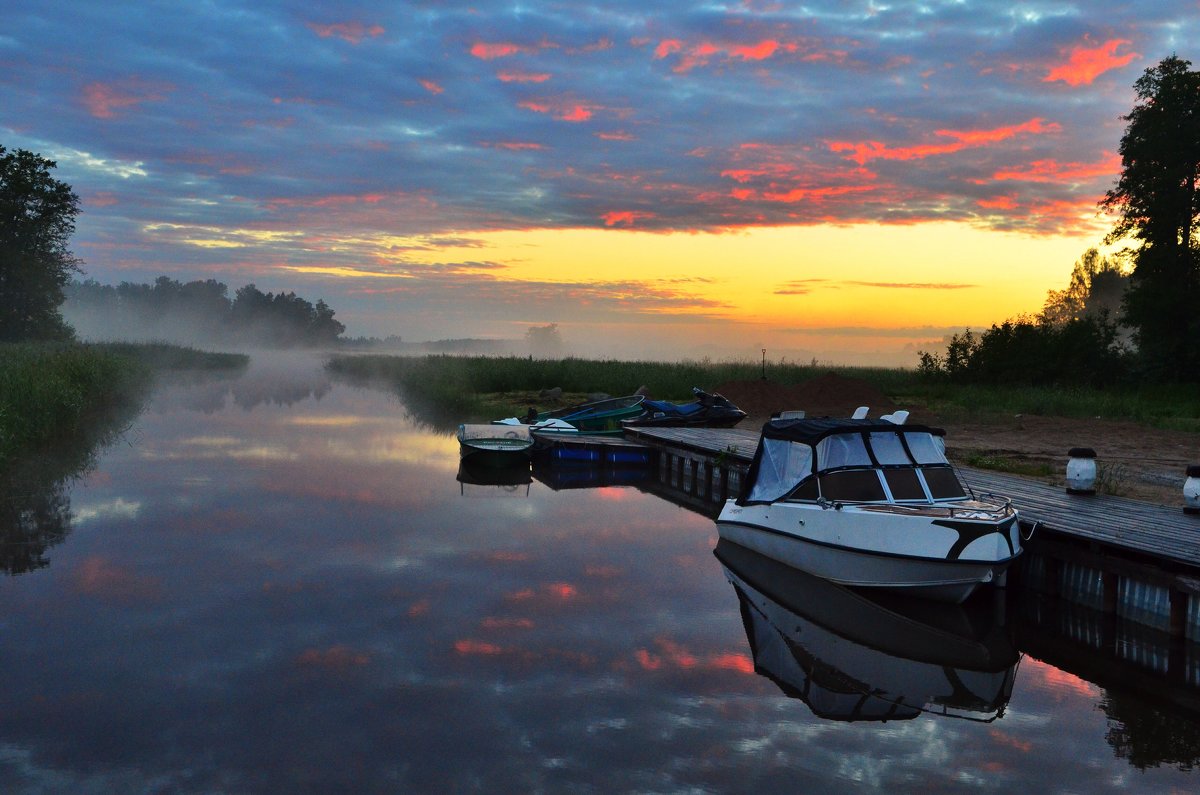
point(598, 417)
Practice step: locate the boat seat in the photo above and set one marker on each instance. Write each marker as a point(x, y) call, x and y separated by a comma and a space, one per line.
point(897, 417)
point(860, 413)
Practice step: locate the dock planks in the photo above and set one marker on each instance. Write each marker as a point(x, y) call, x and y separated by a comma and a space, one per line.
point(1158, 531)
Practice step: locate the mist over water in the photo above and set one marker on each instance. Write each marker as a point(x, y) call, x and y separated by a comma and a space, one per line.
point(280, 582)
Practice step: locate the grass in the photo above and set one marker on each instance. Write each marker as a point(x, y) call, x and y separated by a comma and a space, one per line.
point(450, 389)
point(1014, 465)
point(473, 385)
point(1173, 407)
point(49, 392)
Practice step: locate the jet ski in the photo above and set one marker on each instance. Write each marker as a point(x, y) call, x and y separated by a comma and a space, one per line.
point(706, 411)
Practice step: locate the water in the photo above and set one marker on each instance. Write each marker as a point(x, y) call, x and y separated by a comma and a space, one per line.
point(277, 583)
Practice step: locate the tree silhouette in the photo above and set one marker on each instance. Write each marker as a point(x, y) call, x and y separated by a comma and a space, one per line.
point(1156, 201)
point(37, 219)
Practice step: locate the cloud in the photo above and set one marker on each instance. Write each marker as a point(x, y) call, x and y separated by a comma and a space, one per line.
point(862, 152)
point(1084, 64)
point(108, 100)
point(353, 32)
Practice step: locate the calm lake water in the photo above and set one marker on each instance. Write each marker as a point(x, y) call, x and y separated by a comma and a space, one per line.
point(275, 583)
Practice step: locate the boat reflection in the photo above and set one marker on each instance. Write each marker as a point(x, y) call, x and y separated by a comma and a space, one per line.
point(854, 657)
point(485, 481)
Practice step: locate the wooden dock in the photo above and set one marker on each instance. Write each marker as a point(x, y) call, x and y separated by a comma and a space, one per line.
point(1125, 557)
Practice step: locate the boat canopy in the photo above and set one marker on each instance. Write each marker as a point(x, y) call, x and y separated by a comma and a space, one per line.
point(793, 450)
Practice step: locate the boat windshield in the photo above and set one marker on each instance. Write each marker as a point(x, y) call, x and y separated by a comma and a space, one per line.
point(782, 464)
point(850, 466)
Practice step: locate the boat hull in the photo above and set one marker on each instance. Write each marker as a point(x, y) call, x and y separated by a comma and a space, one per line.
point(933, 554)
point(479, 455)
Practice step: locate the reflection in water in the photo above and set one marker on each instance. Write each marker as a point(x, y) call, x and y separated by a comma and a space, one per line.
point(35, 503)
point(275, 378)
point(486, 481)
point(298, 598)
point(1149, 735)
point(560, 477)
point(1150, 681)
point(852, 658)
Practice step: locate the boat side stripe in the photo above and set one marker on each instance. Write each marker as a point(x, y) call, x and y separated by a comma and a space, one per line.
point(873, 552)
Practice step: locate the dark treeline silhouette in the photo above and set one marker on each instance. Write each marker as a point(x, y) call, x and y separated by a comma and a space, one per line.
point(1133, 319)
point(198, 312)
point(1075, 340)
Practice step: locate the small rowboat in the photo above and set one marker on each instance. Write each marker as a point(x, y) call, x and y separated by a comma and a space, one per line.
point(495, 445)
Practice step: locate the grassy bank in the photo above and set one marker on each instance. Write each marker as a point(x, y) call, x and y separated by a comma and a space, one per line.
point(471, 386)
point(446, 387)
point(50, 392)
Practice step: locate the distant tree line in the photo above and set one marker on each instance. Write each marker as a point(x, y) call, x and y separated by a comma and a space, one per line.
point(199, 311)
point(1076, 339)
point(1137, 316)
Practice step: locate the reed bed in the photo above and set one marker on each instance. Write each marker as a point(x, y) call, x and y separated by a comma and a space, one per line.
point(52, 391)
point(460, 386)
point(48, 391)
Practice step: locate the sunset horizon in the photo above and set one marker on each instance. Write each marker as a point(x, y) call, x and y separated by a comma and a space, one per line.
point(849, 185)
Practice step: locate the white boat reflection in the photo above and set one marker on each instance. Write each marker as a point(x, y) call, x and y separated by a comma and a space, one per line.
point(854, 657)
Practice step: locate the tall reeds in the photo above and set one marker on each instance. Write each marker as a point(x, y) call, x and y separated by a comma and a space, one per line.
point(50, 391)
point(455, 386)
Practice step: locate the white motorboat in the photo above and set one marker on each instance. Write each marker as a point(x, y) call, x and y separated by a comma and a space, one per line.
point(870, 503)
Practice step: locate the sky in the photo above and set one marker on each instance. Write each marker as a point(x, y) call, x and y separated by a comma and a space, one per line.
point(848, 182)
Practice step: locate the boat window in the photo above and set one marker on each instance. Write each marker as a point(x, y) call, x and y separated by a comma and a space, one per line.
point(781, 466)
point(888, 449)
point(905, 484)
point(943, 483)
point(926, 448)
point(806, 491)
point(852, 485)
point(842, 450)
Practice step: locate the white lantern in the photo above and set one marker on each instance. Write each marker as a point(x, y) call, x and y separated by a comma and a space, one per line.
point(1081, 471)
point(1191, 490)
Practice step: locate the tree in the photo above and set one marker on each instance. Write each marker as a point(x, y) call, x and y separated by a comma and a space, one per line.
point(37, 219)
point(1157, 203)
point(1097, 286)
point(544, 342)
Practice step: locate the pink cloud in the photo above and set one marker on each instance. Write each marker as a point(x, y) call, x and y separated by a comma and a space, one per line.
point(669, 653)
point(1053, 171)
point(862, 152)
point(101, 578)
point(488, 51)
point(432, 87)
point(334, 658)
point(477, 647)
point(702, 53)
point(561, 109)
point(104, 100)
point(1085, 64)
point(998, 203)
point(615, 136)
point(514, 146)
point(625, 217)
point(353, 32)
point(522, 77)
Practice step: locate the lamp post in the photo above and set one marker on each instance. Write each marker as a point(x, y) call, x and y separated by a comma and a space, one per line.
point(764, 375)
